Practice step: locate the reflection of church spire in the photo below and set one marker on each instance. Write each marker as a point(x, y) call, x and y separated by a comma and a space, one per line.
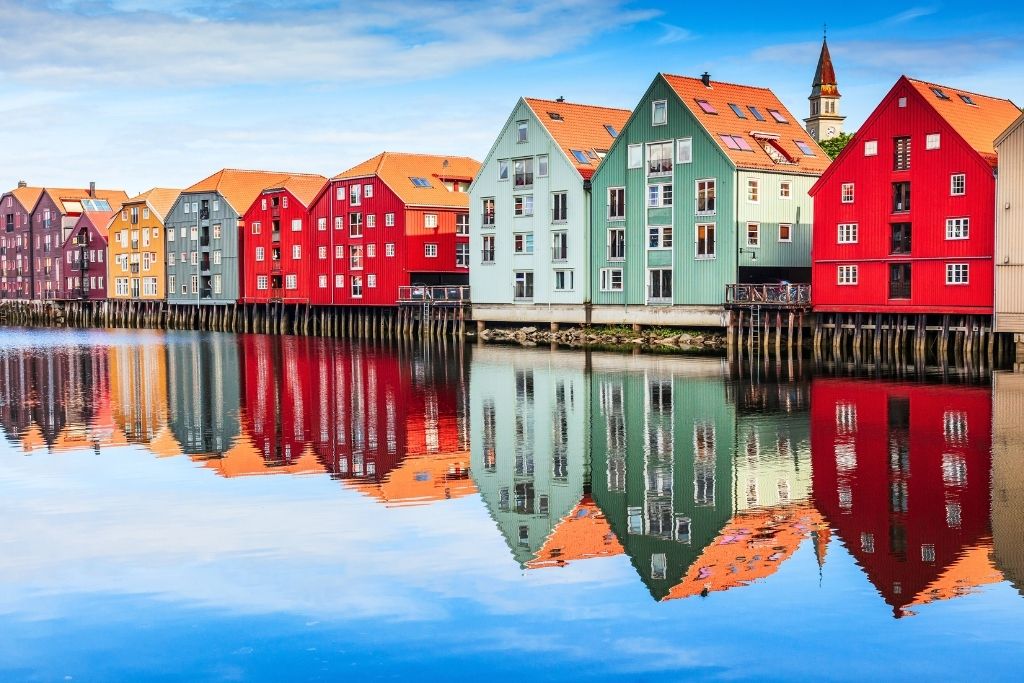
point(820, 538)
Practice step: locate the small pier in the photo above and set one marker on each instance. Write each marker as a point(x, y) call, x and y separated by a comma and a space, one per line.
point(763, 315)
point(437, 310)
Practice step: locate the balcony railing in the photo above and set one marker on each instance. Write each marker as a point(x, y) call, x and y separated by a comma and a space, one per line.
point(796, 295)
point(449, 294)
point(899, 290)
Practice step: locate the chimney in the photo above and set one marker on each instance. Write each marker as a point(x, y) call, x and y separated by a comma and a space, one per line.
point(560, 99)
point(22, 183)
point(706, 79)
point(92, 189)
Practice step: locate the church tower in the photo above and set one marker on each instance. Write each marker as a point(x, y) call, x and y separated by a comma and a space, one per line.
point(824, 122)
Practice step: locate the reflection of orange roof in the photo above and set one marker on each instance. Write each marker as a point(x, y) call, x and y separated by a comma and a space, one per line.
point(243, 459)
point(164, 445)
point(579, 127)
point(583, 533)
point(396, 169)
point(421, 479)
point(32, 438)
point(973, 568)
point(751, 547)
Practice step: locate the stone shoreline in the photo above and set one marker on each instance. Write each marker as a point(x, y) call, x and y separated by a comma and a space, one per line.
point(682, 340)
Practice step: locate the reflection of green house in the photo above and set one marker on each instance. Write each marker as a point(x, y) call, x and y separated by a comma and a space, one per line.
point(662, 435)
point(204, 392)
point(529, 434)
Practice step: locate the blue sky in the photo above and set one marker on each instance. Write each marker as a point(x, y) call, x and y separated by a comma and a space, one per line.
point(137, 93)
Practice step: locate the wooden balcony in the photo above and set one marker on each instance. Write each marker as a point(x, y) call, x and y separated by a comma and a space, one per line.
point(794, 296)
point(434, 295)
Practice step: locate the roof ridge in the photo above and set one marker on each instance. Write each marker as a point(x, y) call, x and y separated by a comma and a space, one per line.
point(963, 90)
point(575, 104)
point(713, 81)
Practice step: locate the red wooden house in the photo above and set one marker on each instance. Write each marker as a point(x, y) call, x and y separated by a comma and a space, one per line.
point(15, 241)
point(285, 256)
point(83, 258)
point(396, 220)
point(902, 473)
point(904, 217)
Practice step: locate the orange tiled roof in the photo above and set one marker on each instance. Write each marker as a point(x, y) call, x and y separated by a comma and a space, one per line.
point(583, 533)
point(164, 444)
point(27, 196)
point(304, 187)
point(421, 479)
point(757, 134)
point(396, 168)
point(579, 127)
point(160, 200)
point(972, 569)
point(59, 194)
point(239, 188)
point(979, 124)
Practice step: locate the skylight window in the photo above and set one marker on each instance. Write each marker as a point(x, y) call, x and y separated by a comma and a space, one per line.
point(592, 153)
point(706, 107)
point(756, 113)
point(967, 99)
point(555, 116)
point(611, 130)
point(581, 156)
point(777, 115)
point(736, 110)
point(419, 182)
point(940, 94)
point(95, 205)
point(735, 142)
point(805, 148)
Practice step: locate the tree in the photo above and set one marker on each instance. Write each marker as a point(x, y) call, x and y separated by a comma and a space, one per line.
point(835, 145)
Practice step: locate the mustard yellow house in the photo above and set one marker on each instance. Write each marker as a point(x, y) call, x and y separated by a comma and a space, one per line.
point(136, 269)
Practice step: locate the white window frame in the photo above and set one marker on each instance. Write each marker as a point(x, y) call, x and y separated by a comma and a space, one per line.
point(957, 274)
point(843, 194)
point(753, 191)
point(932, 141)
point(958, 228)
point(871, 148)
point(430, 220)
point(684, 151)
point(657, 201)
point(788, 239)
point(389, 220)
point(389, 249)
point(622, 204)
point(567, 278)
point(663, 106)
point(756, 244)
point(634, 156)
point(608, 244)
point(503, 170)
point(525, 205)
point(709, 253)
point(847, 275)
point(430, 250)
point(607, 280)
point(786, 190)
point(847, 233)
point(296, 225)
point(709, 183)
point(962, 177)
point(664, 234)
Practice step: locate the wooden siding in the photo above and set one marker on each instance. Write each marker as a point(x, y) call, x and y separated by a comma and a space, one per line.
point(222, 214)
point(15, 254)
point(1009, 241)
point(492, 283)
point(150, 239)
point(46, 248)
point(84, 268)
point(772, 210)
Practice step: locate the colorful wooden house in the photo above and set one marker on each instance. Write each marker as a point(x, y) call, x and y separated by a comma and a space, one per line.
point(136, 254)
point(287, 257)
point(1009, 248)
point(83, 258)
point(530, 216)
point(705, 186)
point(904, 217)
point(394, 221)
point(15, 241)
point(204, 228)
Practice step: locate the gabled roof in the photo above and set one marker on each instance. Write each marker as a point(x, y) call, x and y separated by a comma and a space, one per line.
point(27, 196)
point(579, 127)
point(582, 534)
point(59, 195)
point(825, 74)
point(159, 199)
point(757, 134)
point(304, 187)
point(979, 124)
point(1009, 130)
point(395, 169)
point(238, 187)
point(100, 220)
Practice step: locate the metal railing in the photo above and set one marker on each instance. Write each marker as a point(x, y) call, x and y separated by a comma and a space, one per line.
point(899, 290)
point(434, 293)
point(768, 295)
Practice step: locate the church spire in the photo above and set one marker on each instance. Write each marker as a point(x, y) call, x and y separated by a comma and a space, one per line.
point(825, 75)
point(825, 121)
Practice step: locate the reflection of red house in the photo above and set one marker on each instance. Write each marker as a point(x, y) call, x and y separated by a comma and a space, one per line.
point(902, 473)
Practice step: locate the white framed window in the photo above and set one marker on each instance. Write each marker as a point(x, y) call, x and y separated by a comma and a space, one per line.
point(171, 233)
point(705, 196)
point(322, 279)
point(659, 158)
point(185, 208)
point(296, 225)
point(462, 255)
point(563, 280)
point(389, 220)
point(659, 112)
point(339, 223)
point(355, 195)
point(339, 193)
point(659, 237)
point(847, 275)
point(357, 287)
point(847, 193)
point(753, 190)
point(635, 156)
point(704, 241)
point(502, 169)
point(263, 204)
point(616, 243)
point(216, 205)
point(611, 279)
point(216, 231)
point(367, 190)
point(958, 184)
point(785, 232)
point(659, 195)
point(216, 257)
point(195, 284)
point(522, 205)
point(957, 273)
point(296, 252)
point(786, 189)
point(870, 148)
point(958, 228)
point(559, 207)
point(389, 249)
point(339, 281)
point(215, 283)
point(753, 235)
point(170, 284)
point(847, 233)
point(522, 243)
point(321, 224)
point(371, 250)
point(291, 281)
point(542, 165)
point(932, 141)
point(522, 132)
point(684, 151)
point(321, 253)
point(371, 219)
point(430, 250)
point(355, 257)
point(339, 251)
point(616, 203)
point(430, 220)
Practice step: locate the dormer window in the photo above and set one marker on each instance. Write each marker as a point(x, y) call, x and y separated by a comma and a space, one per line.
point(777, 115)
point(967, 100)
point(707, 107)
point(611, 130)
point(939, 93)
point(757, 114)
point(736, 110)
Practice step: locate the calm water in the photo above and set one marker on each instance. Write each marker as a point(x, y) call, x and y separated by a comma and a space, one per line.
point(182, 506)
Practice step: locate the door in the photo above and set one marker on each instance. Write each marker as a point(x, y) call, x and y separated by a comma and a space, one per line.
point(135, 288)
point(899, 281)
point(659, 286)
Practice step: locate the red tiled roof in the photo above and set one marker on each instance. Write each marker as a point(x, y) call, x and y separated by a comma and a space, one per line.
point(579, 127)
point(396, 168)
point(239, 187)
point(305, 188)
point(756, 134)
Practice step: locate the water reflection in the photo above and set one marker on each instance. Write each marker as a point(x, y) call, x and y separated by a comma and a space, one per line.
point(700, 482)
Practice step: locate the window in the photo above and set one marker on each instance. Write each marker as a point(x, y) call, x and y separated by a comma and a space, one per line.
point(523, 284)
point(659, 236)
point(635, 156)
point(487, 253)
point(195, 284)
point(901, 153)
point(185, 209)
point(736, 110)
point(659, 195)
point(462, 224)
point(932, 141)
point(296, 225)
point(900, 197)
point(462, 255)
point(705, 196)
point(502, 169)
point(804, 148)
point(542, 165)
point(355, 195)
point(847, 193)
point(958, 184)
point(522, 132)
point(847, 275)
point(216, 258)
point(339, 251)
point(967, 100)
point(659, 112)
point(580, 156)
point(559, 246)
point(900, 238)
point(523, 173)
point(705, 241)
point(371, 219)
point(522, 243)
point(757, 114)
point(616, 203)
point(753, 190)
point(339, 281)
point(957, 228)
point(262, 281)
point(523, 205)
point(171, 232)
point(170, 284)
point(322, 279)
point(340, 193)
point(371, 280)
point(389, 220)
point(870, 148)
point(899, 280)
point(785, 232)
point(297, 251)
point(357, 287)
point(777, 115)
point(367, 191)
point(321, 253)
point(559, 207)
point(785, 190)
point(939, 93)
point(563, 280)
point(753, 235)
point(847, 233)
point(389, 249)
point(371, 250)
point(684, 151)
point(355, 257)
point(956, 273)
point(707, 107)
point(736, 142)
point(611, 279)
point(339, 223)
point(616, 244)
point(355, 225)
point(430, 220)
point(659, 158)
point(430, 250)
